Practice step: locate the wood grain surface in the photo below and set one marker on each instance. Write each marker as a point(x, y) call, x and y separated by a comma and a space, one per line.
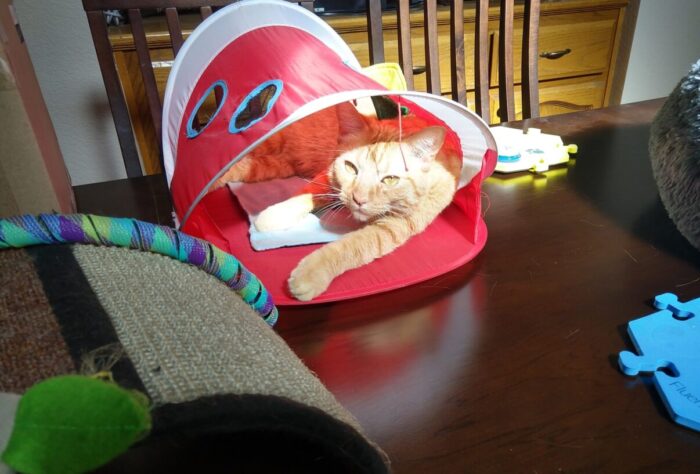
point(508, 364)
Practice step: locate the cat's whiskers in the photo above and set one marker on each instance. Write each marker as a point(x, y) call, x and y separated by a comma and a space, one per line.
point(334, 212)
point(328, 196)
point(331, 206)
point(311, 181)
point(396, 210)
point(324, 210)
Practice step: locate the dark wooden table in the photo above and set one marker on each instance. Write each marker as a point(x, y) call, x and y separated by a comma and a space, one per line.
point(509, 364)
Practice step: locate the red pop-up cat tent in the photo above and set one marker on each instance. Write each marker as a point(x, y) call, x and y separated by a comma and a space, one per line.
point(272, 63)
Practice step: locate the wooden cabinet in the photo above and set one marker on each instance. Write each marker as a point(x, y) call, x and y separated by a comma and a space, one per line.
point(560, 97)
point(570, 44)
point(580, 43)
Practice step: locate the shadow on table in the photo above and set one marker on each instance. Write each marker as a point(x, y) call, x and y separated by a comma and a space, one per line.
point(247, 453)
point(646, 379)
point(384, 306)
point(613, 170)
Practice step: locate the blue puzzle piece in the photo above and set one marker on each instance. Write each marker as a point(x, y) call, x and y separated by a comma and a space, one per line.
point(669, 339)
point(680, 310)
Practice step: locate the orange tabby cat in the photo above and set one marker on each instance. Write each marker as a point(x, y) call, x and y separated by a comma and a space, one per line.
point(354, 161)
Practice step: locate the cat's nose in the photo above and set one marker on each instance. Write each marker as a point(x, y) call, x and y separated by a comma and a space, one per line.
point(359, 199)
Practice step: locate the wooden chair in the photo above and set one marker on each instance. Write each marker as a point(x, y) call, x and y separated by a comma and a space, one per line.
point(530, 96)
point(95, 10)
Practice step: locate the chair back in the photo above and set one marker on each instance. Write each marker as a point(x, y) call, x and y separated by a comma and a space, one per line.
point(96, 10)
point(482, 48)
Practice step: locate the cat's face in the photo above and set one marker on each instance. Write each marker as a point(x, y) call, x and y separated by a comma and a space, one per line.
point(376, 180)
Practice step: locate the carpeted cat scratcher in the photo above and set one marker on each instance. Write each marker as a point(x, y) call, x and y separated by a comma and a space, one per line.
point(273, 63)
point(222, 391)
point(674, 148)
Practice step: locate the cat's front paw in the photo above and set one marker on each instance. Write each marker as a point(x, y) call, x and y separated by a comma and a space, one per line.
point(310, 278)
point(284, 215)
point(276, 217)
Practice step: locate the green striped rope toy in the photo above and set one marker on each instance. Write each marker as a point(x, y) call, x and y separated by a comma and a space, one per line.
point(23, 231)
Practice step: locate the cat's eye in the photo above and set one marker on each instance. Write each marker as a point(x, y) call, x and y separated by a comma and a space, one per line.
point(390, 180)
point(350, 167)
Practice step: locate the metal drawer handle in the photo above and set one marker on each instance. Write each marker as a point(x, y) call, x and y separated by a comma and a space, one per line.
point(419, 70)
point(555, 54)
point(160, 64)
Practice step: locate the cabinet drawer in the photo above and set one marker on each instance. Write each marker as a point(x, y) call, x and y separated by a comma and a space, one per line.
point(358, 44)
point(559, 97)
point(588, 37)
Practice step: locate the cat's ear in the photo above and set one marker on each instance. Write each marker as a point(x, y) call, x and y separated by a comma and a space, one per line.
point(426, 143)
point(350, 122)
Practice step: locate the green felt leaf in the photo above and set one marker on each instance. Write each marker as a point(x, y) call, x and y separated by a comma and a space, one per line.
point(74, 423)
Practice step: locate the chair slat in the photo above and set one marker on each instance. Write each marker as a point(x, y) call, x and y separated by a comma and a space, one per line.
point(404, 33)
point(204, 12)
point(173, 20)
point(482, 52)
point(432, 58)
point(117, 103)
point(530, 86)
point(308, 4)
point(149, 81)
point(374, 31)
point(481, 60)
point(459, 84)
point(506, 96)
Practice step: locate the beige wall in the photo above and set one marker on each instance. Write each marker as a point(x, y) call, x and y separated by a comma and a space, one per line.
point(24, 184)
point(666, 43)
point(60, 45)
point(33, 177)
